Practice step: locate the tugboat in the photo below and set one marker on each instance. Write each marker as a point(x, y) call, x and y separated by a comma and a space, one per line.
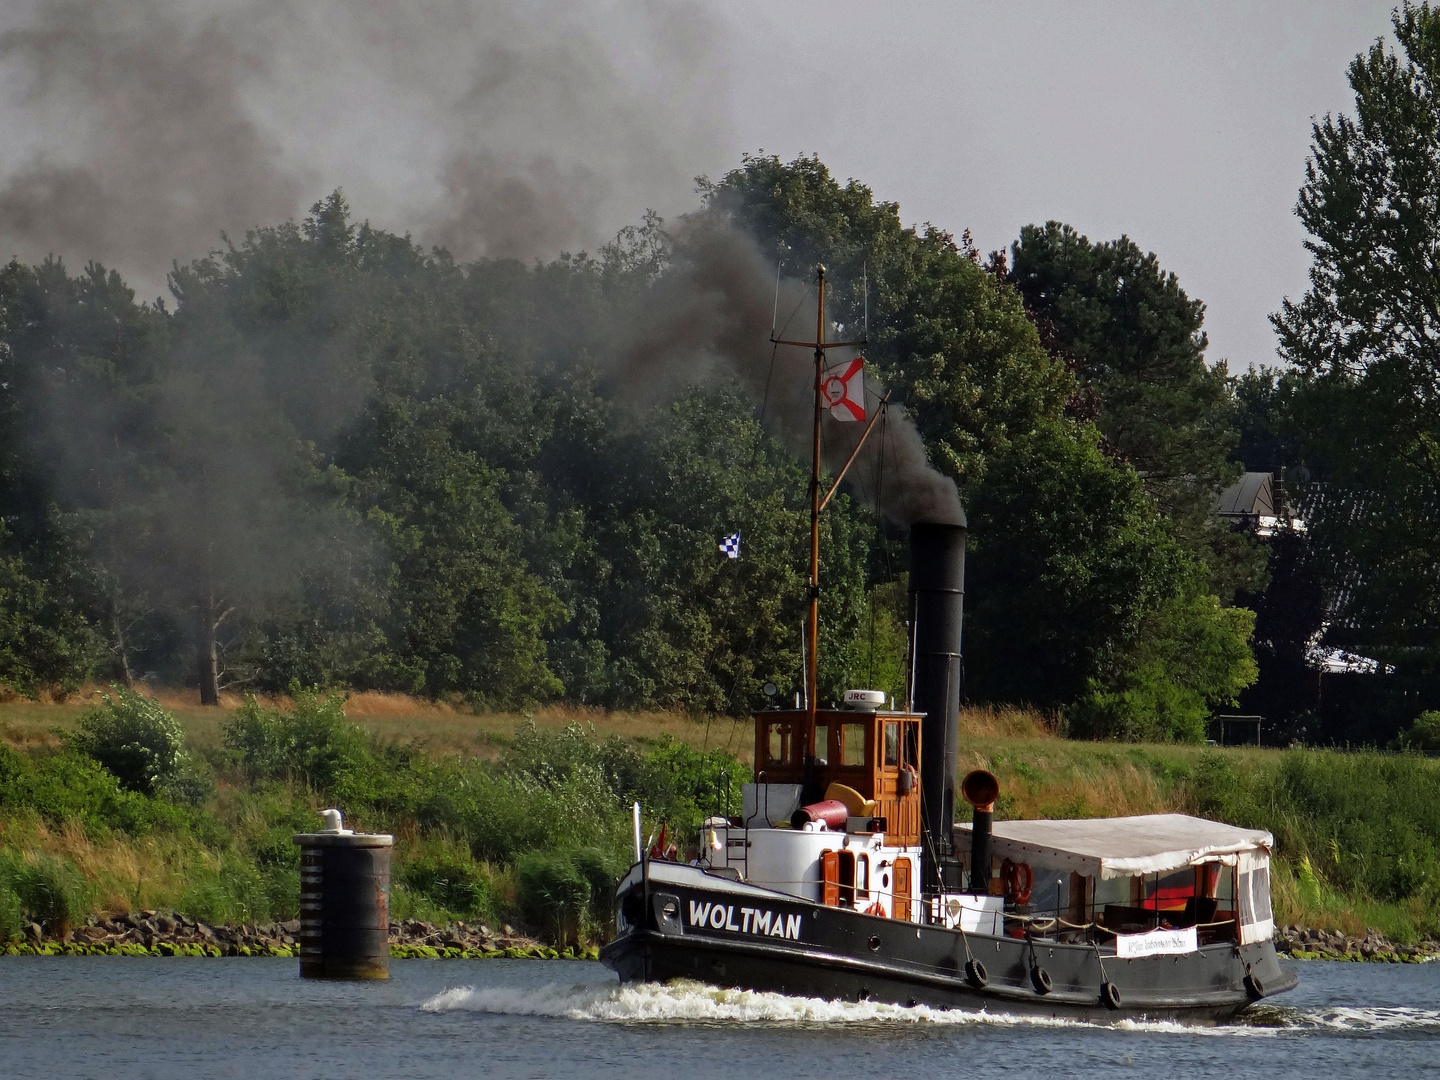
point(845, 878)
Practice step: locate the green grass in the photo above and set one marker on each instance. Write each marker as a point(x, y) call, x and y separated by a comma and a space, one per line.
point(468, 796)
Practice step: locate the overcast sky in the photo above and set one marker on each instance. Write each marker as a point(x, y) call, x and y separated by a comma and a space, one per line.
point(1182, 125)
point(135, 131)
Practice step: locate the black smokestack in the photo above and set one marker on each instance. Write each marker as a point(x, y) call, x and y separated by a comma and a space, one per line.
point(937, 596)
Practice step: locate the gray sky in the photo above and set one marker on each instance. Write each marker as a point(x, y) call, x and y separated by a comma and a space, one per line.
point(1183, 125)
point(135, 131)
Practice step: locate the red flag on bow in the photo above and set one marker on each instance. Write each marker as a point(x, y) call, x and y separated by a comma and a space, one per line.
point(844, 392)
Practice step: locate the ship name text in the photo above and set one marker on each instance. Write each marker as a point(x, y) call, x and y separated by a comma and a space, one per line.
point(744, 920)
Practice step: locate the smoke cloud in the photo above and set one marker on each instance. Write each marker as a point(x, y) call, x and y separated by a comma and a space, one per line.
point(139, 130)
point(712, 314)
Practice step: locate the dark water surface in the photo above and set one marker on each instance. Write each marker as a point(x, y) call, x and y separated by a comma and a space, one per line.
point(114, 1018)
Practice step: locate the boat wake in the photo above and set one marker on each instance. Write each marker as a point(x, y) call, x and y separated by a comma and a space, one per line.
point(1367, 1021)
point(693, 1003)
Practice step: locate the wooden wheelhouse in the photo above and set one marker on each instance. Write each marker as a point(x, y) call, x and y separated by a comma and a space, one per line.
point(875, 753)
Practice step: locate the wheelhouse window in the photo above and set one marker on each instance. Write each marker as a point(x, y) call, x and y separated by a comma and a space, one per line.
point(852, 745)
point(822, 744)
point(892, 745)
point(910, 748)
point(779, 744)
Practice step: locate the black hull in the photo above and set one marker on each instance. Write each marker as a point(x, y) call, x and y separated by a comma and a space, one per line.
point(844, 955)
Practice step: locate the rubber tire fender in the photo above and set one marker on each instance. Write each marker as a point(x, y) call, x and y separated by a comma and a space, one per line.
point(976, 975)
point(1040, 978)
point(1110, 995)
point(1253, 985)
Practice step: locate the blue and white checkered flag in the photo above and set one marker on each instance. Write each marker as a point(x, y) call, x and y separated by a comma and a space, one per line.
point(730, 546)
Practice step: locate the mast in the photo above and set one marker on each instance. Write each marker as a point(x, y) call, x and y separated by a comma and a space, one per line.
point(817, 504)
point(813, 674)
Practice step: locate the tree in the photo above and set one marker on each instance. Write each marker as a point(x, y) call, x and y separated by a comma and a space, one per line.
point(1082, 600)
point(953, 342)
point(1135, 340)
point(1365, 342)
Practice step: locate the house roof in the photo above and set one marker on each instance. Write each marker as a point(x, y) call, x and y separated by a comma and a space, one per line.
point(1250, 496)
point(1121, 846)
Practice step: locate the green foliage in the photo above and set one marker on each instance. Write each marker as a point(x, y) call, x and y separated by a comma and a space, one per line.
point(453, 882)
point(1368, 823)
point(314, 743)
point(874, 657)
point(672, 780)
point(952, 339)
point(1079, 595)
point(1361, 340)
point(568, 893)
point(12, 915)
point(1069, 559)
point(69, 787)
point(1191, 655)
point(43, 888)
point(1423, 736)
point(235, 891)
point(1134, 339)
point(45, 641)
point(134, 737)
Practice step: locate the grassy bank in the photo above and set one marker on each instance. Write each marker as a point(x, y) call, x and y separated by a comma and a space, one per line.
point(521, 817)
point(500, 818)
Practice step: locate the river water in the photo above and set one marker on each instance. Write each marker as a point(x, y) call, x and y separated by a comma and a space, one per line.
point(113, 1018)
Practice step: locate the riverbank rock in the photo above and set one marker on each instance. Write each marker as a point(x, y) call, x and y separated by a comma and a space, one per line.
point(168, 933)
point(1303, 943)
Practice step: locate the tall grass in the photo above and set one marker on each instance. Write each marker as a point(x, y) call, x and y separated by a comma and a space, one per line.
point(504, 818)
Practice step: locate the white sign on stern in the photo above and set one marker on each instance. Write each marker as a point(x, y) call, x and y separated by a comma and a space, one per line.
point(1156, 943)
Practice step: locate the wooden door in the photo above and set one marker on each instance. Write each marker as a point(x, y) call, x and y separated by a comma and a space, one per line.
point(830, 878)
point(902, 889)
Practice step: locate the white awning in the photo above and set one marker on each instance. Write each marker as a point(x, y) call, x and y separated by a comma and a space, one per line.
point(1122, 846)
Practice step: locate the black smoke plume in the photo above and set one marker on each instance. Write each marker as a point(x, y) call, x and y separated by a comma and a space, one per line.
point(712, 313)
point(140, 130)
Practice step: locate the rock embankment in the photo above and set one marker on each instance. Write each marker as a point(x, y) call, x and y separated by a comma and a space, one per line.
point(167, 933)
point(1302, 943)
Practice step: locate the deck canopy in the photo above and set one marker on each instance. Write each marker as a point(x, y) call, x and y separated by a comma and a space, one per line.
point(1121, 846)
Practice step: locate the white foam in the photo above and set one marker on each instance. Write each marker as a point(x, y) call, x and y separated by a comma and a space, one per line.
point(691, 1002)
point(1377, 1019)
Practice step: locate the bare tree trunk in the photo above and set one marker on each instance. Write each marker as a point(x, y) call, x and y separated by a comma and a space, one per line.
point(207, 661)
point(122, 659)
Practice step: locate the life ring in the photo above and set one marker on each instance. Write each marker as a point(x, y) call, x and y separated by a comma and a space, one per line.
point(1019, 880)
point(876, 908)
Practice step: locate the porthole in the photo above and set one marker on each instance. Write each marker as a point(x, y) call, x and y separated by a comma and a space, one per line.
point(884, 881)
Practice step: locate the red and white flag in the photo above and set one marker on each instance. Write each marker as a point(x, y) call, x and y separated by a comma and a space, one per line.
point(844, 391)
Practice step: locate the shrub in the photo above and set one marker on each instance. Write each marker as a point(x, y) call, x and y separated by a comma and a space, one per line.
point(451, 882)
point(232, 892)
point(135, 738)
point(72, 787)
point(315, 742)
point(1423, 736)
point(554, 894)
point(600, 872)
point(12, 915)
point(52, 892)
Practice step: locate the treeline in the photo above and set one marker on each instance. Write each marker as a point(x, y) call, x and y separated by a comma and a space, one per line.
point(339, 460)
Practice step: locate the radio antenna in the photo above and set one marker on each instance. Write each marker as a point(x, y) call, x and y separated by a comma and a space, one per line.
point(775, 310)
point(865, 277)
